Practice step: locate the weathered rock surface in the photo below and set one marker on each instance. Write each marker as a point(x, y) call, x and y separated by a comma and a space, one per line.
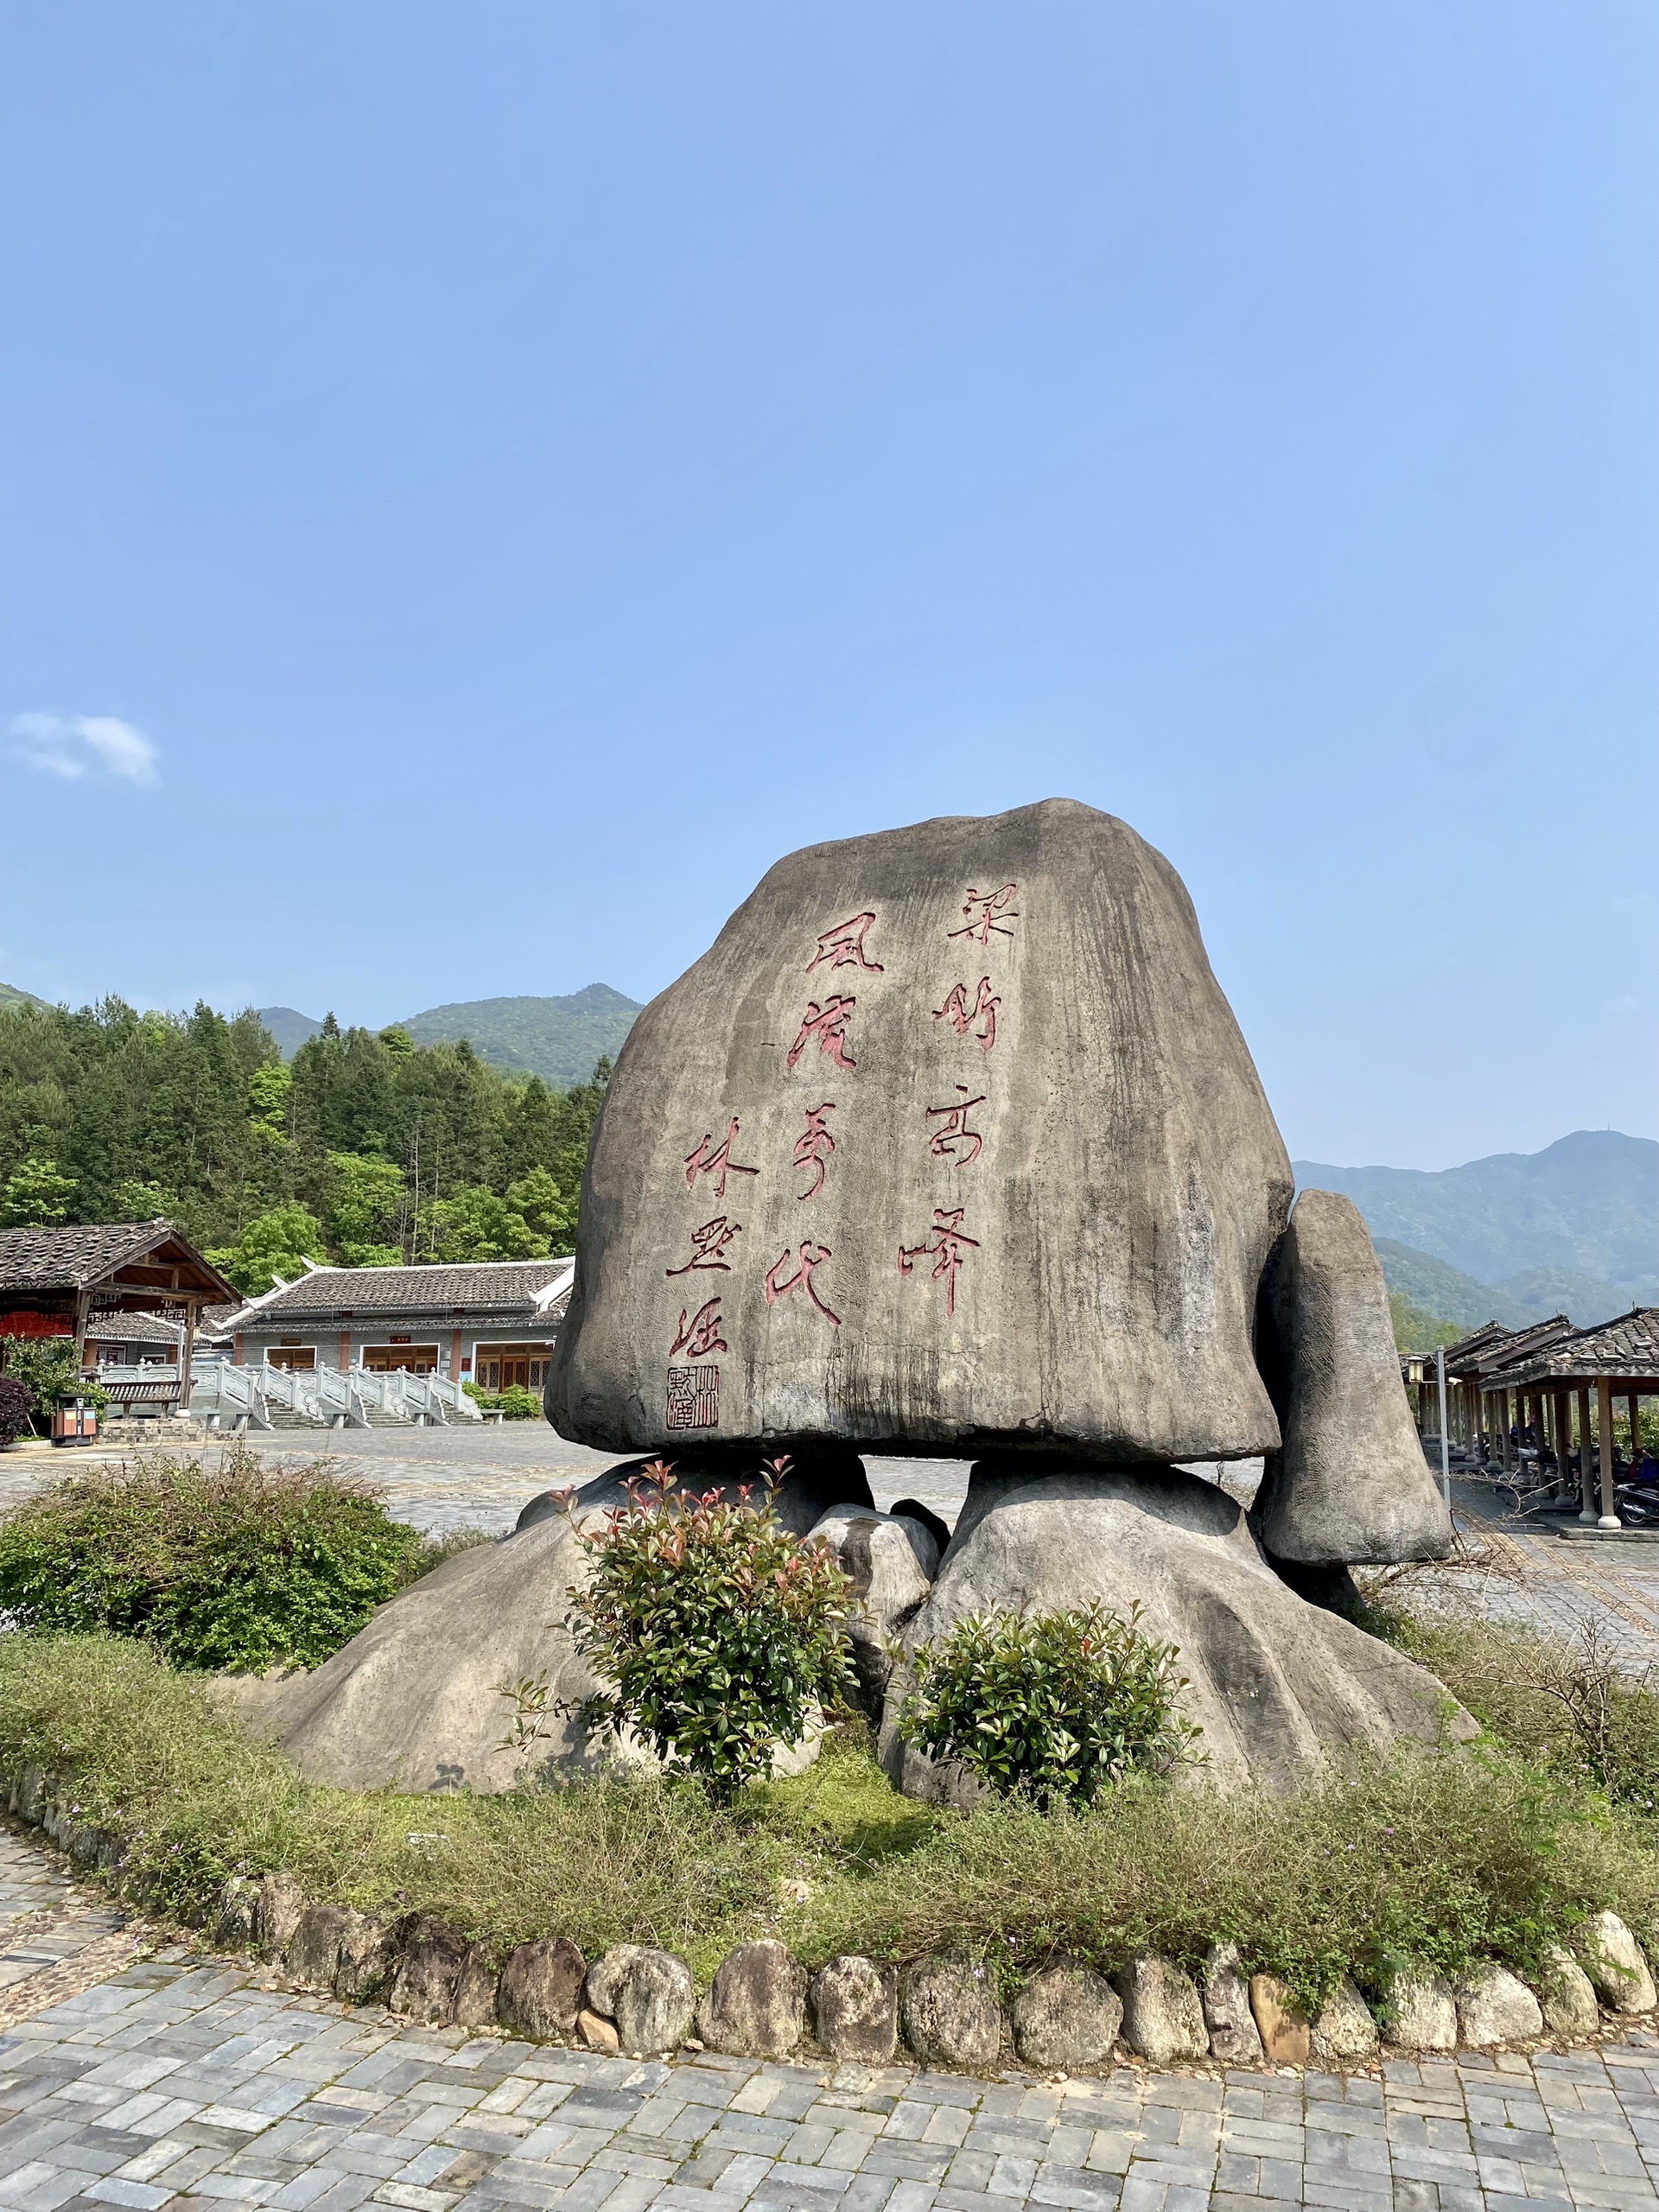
point(1348, 1482)
point(542, 1985)
point(475, 1990)
point(1275, 1684)
point(598, 2033)
point(1234, 2037)
point(952, 2015)
point(1421, 2012)
point(756, 2005)
point(1567, 1995)
point(1494, 2008)
point(928, 1533)
point(855, 2009)
point(649, 1993)
point(949, 1140)
point(878, 1554)
point(424, 1982)
point(313, 1949)
point(1345, 2031)
point(1163, 2015)
point(813, 1484)
point(414, 1700)
point(235, 1914)
point(1286, 2031)
point(277, 1912)
point(1615, 1963)
point(368, 1958)
point(1067, 2016)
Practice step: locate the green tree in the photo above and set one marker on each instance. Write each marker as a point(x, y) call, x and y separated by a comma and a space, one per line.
point(365, 1209)
point(277, 1243)
point(49, 1369)
point(477, 1226)
point(545, 1209)
point(35, 1195)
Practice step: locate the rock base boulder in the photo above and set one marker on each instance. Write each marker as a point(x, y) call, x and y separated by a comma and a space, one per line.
point(855, 2009)
point(952, 2015)
point(1066, 2016)
point(413, 1701)
point(1276, 1685)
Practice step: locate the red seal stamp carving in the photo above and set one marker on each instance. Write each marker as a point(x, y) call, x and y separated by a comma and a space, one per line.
point(693, 1398)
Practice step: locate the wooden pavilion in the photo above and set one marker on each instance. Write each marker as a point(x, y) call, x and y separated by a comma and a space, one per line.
point(1618, 1360)
point(62, 1282)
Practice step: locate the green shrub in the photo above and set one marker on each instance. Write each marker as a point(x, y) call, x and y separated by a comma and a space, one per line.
point(1059, 1705)
point(515, 1402)
point(17, 1410)
point(1561, 1701)
point(716, 1630)
point(49, 1367)
point(243, 1566)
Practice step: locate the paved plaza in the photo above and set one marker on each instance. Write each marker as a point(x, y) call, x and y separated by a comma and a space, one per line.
point(481, 1475)
point(174, 2082)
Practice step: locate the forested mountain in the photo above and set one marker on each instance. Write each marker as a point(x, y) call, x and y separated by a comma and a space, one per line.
point(1575, 1225)
point(11, 995)
point(367, 1147)
point(558, 1040)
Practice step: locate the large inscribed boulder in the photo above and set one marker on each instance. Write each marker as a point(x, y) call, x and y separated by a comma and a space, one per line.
point(949, 1141)
point(1348, 1482)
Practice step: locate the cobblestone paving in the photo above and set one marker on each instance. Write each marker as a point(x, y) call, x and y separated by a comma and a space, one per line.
point(184, 2085)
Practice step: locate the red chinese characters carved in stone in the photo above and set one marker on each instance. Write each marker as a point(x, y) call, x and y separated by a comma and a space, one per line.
point(953, 1132)
point(944, 1247)
point(980, 1017)
point(814, 1145)
point(843, 946)
point(994, 914)
point(707, 1242)
point(700, 1336)
point(718, 1162)
point(805, 1261)
point(828, 1023)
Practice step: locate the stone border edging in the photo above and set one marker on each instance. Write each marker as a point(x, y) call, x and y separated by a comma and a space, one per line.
point(762, 2003)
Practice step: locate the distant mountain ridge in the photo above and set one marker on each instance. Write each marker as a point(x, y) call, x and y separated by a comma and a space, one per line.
point(11, 995)
point(1572, 1229)
point(558, 1038)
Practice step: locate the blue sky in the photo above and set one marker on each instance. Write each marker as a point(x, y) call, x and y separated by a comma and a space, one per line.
point(477, 483)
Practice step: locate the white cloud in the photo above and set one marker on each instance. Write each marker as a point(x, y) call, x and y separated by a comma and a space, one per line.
point(77, 746)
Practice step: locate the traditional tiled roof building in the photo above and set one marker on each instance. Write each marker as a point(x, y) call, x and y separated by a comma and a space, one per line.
point(492, 1322)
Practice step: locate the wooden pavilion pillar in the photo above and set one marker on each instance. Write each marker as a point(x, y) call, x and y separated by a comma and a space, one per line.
point(1587, 1474)
point(1635, 1432)
point(1504, 1429)
point(1563, 1441)
point(1604, 1421)
point(187, 1354)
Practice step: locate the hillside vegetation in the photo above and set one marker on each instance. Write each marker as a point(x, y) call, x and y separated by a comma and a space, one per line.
point(1573, 1227)
point(368, 1149)
point(558, 1039)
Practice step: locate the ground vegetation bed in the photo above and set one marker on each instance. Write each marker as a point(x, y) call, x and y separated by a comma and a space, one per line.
point(1434, 1859)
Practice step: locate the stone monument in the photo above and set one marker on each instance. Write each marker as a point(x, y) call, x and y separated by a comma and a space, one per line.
point(950, 1144)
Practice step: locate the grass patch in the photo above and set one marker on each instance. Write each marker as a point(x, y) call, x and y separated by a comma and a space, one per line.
point(1438, 1857)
